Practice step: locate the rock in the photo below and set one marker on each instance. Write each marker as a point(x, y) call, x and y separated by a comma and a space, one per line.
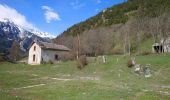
point(131, 63)
point(147, 71)
point(137, 68)
point(101, 59)
point(104, 59)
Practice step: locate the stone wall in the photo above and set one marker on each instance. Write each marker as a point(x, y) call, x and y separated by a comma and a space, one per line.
point(36, 52)
point(50, 55)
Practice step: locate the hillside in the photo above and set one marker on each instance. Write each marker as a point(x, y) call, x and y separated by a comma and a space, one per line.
point(121, 28)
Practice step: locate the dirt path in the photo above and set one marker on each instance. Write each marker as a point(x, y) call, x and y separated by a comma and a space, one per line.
point(59, 79)
point(68, 79)
point(31, 86)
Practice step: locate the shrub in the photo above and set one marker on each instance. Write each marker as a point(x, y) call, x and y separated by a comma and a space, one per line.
point(2, 58)
point(117, 50)
point(146, 53)
point(68, 56)
point(82, 62)
point(131, 63)
point(43, 62)
point(50, 62)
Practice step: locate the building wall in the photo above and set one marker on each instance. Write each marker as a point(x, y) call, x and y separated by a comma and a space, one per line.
point(50, 55)
point(167, 48)
point(44, 55)
point(167, 45)
point(36, 52)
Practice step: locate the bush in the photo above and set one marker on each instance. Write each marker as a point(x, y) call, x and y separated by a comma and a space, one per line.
point(43, 62)
point(146, 53)
point(50, 62)
point(131, 63)
point(68, 56)
point(1, 58)
point(117, 50)
point(82, 62)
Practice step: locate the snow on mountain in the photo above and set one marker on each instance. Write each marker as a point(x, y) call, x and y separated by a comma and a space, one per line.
point(22, 29)
point(42, 34)
point(9, 31)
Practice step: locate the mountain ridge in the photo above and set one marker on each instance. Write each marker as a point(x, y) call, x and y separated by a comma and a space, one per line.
point(35, 31)
point(10, 32)
point(120, 13)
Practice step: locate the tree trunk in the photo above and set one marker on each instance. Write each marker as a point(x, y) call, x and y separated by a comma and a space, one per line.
point(78, 46)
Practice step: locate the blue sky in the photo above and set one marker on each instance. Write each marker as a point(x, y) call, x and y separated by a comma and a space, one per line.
point(53, 16)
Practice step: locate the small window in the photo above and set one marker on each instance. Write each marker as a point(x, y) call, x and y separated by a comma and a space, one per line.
point(33, 58)
point(34, 48)
point(56, 57)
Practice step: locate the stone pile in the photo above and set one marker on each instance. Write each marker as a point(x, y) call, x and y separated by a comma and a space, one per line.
point(140, 69)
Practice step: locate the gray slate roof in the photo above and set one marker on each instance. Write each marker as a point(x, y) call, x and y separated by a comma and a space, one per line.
point(52, 46)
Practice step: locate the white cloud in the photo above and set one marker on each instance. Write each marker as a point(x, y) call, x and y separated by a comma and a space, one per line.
point(15, 16)
point(76, 5)
point(50, 14)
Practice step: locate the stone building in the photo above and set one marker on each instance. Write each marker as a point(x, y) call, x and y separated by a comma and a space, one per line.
point(162, 47)
point(44, 52)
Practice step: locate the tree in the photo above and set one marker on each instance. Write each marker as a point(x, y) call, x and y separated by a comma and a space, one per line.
point(2, 57)
point(15, 52)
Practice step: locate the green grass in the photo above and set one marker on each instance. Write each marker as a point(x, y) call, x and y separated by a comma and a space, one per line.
point(115, 80)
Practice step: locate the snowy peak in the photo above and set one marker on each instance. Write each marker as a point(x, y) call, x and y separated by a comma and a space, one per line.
point(43, 34)
point(9, 32)
point(22, 30)
point(6, 20)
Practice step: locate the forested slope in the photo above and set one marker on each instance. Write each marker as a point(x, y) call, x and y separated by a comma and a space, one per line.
point(123, 28)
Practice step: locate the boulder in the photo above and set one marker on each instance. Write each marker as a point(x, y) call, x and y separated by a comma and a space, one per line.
point(147, 71)
point(131, 63)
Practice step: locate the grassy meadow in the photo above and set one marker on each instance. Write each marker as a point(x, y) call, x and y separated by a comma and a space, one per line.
point(97, 81)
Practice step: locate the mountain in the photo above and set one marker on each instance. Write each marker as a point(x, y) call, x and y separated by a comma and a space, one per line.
point(129, 27)
point(9, 32)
